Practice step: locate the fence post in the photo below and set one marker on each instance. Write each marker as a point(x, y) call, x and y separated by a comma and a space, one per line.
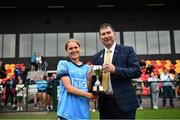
point(151, 95)
point(27, 86)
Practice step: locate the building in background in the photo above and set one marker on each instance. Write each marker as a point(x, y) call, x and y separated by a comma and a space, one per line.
point(151, 27)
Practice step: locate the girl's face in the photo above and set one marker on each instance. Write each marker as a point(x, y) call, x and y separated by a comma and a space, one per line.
point(152, 74)
point(73, 50)
point(20, 81)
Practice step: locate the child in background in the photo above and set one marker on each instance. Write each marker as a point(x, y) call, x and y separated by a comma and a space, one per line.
point(20, 89)
point(138, 87)
point(153, 79)
point(41, 86)
point(1, 94)
point(49, 91)
point(33, 92)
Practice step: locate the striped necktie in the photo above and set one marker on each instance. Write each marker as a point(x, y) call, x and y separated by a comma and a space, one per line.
point(105, 77)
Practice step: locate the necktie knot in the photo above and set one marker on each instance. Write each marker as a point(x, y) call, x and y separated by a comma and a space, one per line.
point(108, 51)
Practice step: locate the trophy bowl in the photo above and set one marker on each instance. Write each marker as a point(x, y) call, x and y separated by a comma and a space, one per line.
point(97, 71)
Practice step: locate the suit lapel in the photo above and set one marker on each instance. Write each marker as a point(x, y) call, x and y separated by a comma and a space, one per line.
point(115, 53)
point(102, 57)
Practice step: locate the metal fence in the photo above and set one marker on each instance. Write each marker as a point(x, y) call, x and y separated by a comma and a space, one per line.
point(31, 91)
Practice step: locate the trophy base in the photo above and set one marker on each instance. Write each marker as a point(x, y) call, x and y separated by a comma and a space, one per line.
point(98, 89)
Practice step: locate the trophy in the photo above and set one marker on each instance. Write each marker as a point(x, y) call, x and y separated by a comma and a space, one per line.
point(97, 71)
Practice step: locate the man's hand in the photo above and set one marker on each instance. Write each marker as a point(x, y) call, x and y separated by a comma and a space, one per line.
point(108, 68)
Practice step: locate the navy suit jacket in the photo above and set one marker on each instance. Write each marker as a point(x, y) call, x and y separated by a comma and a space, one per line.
point(126, 68)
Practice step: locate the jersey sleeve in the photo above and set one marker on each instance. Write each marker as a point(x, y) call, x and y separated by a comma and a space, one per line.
point(62, 69)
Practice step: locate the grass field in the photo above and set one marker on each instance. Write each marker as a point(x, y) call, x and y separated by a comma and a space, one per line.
point(141, 114)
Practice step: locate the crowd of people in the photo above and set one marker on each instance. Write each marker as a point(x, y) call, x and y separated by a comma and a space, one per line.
point(12, 81)
point(166, 84)
point(41, 89)
point(14, 84)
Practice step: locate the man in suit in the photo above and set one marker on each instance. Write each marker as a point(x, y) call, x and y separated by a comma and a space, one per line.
point(120, 100)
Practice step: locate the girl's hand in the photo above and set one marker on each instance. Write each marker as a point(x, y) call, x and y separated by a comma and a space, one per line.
point(91, 96)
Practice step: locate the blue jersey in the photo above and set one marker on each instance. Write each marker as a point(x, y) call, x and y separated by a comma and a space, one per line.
point(41, 85)
point(33, 58)
point(71, 106)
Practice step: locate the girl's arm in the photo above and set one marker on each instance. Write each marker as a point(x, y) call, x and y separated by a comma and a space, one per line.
point(73, 90)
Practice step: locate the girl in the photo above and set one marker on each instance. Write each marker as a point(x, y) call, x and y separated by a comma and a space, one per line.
point(20, 89)
point(74, 96)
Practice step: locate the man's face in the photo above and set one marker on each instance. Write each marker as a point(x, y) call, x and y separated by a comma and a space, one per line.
point(107, 37)
point(165, 71)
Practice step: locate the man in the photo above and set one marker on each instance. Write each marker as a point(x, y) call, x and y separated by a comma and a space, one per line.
point(33, 62)
point(142, 63)
point(2, 70)
point(120, 100)
point(167, 87)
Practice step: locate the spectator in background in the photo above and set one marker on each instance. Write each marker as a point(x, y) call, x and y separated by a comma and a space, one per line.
point(167, 88)
point(33, 62)
point(20, 90)
point(27, 68)
point(142, 63)
point(172, 71)
point(39, 61)
point(93, 105)
point(33, 92)
point(177, 85)
point(153, 79)
point(138, 87)
point(17, 71)
point(2, 70)
point(1, 89)
point(1, 93)
point(149, 69)
point(10, 91)
point(49, 91)
point(41, 86)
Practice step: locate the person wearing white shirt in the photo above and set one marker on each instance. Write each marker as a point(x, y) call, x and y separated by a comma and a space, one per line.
point(39, 61)
point(167, 87)
point(154, 90)
point(20, 89)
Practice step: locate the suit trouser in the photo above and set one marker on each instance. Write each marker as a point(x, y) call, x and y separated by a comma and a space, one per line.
point(109, 110)
point(139, 99)
point(168, 92)
point(10, 95)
